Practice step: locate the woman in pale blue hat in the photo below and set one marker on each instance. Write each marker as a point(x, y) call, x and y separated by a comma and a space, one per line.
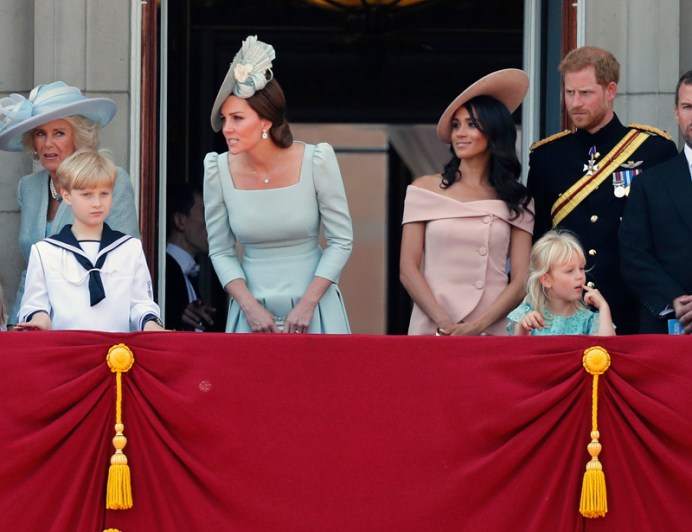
point(271, 195)
point(54, 122)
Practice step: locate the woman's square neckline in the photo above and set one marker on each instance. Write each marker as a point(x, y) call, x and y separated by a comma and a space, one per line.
point(298, 182)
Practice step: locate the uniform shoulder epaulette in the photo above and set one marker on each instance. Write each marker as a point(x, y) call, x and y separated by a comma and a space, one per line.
point(651, 129)
point(549, 139)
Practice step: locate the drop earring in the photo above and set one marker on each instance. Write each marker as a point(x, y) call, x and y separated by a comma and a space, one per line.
point(264, 134)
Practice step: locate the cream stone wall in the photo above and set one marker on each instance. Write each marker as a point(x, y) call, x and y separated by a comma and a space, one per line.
point(651, 40)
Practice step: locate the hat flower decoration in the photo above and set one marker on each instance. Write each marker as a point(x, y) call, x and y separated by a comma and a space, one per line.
point(14, 108)
point(242, 71)
point(250, 72)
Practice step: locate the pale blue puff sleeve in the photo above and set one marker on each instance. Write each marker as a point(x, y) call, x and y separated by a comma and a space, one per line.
point(222, 241)
point(334, 213)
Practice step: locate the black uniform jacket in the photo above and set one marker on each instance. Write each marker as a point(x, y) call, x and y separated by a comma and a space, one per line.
point(656, 240)
point(558, 164)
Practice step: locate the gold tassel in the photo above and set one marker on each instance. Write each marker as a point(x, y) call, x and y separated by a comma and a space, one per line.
point(119, 490)
point(111, 530)
point(593, 490)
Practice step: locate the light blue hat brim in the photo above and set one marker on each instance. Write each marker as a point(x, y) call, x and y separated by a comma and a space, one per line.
point(226, 89)
point(99, 110)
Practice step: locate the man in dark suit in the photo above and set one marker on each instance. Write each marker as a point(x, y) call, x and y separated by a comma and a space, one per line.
point(187, 238)
point(656, 231)
point(578, 178)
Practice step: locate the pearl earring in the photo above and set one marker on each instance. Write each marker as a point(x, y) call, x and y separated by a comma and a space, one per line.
point(264, 134)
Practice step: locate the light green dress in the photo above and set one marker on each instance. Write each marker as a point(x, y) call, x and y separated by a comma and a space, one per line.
point(583, 321)
point(278, 230)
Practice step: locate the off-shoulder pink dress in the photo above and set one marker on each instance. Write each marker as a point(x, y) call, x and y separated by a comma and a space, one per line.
point(465, 255)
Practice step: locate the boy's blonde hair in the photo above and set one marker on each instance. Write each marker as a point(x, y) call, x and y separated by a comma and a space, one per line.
point(86, 169)
point(552, 249)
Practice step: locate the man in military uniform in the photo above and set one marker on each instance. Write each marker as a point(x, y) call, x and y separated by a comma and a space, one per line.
point(580, 179)
point(656, 232)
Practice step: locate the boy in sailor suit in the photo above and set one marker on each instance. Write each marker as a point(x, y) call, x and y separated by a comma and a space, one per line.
point(88, 276)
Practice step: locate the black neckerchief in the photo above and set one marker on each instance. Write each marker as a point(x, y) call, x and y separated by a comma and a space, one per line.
point(110, 240)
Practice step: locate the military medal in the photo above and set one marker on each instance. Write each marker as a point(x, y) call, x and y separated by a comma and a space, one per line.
point(623, 178)
point(591, 167)
point(618, 185)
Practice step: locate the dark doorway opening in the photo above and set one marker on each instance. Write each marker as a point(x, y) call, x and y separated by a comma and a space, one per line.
point(400, 68)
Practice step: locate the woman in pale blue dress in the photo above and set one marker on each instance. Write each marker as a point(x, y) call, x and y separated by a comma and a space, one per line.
point(271, 195)
point(556, 296)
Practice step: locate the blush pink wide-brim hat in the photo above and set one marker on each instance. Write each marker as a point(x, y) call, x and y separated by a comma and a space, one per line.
point(46, 103)
point(509, 86)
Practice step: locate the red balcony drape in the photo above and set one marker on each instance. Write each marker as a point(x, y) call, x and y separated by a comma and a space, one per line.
point(343, 433)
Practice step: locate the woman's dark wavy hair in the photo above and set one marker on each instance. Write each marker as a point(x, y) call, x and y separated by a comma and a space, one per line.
point(494, 120)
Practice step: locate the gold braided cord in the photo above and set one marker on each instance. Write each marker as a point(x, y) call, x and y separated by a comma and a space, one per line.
point(118, 398)
point(594, 502)
point(574, 195)
point(119, 490)
point(551, 138)
point(594, 403)
point(652, 129)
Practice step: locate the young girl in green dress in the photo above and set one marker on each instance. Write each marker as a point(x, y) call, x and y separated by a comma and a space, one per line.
point(554, 289)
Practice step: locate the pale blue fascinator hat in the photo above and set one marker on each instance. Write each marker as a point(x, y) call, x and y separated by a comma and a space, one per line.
point(46, 103)
point(508, 86)
point(250, 72)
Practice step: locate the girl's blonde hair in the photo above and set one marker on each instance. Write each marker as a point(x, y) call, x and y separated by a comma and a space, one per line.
point(86, 169)
point(552, 249)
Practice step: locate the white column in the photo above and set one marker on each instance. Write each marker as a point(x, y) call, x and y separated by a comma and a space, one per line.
point(645, 37)
point(530, 119)
point(86, 43)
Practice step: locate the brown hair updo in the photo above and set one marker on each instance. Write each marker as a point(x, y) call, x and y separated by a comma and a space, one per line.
point(270, 104)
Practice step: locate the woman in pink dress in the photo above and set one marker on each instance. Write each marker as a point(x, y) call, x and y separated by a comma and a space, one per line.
point(462, 227)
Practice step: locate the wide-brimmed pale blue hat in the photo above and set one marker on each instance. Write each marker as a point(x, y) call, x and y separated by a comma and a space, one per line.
point(45, 103)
